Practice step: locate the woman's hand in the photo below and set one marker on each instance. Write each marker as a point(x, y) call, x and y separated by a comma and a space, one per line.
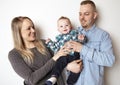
point(75, 66)
point(47, 40)
point(62, 52)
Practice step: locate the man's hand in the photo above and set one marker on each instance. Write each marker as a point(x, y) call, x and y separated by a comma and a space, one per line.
point(76, 46)
point(75, 66)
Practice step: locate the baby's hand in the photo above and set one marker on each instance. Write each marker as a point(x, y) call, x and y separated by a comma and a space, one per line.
point(47, 40)
point(68, 46)
point(81, 37)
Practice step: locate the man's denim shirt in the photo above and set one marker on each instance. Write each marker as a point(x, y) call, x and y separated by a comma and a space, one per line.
point(96, 54)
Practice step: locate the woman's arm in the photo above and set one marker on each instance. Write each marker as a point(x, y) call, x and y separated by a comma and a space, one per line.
point(62, 52)
point(28, 72)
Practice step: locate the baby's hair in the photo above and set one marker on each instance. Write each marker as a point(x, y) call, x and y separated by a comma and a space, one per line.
point(63, 17)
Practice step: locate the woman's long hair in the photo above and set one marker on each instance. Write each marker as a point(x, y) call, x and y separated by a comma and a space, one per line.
point(16, 26)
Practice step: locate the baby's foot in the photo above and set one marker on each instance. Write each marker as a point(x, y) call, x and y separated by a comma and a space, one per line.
point(48, 83)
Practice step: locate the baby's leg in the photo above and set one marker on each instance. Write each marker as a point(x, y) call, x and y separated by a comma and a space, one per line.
point(57, 70)
point(72, 78)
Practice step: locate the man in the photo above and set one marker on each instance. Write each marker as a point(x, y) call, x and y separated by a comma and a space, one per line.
point(98, 52)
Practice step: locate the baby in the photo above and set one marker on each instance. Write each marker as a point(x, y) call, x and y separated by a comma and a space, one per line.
point(67, 33)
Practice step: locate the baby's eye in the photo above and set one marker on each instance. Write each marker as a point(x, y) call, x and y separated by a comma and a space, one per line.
point(61, 26)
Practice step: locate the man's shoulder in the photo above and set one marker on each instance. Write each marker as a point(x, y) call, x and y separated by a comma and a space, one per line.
point(101, 30)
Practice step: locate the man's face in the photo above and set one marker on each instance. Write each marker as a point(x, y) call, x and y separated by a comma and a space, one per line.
point(87, 16)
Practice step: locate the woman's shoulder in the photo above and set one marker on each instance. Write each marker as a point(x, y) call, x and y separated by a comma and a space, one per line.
point(12, 53)
point(42, 40)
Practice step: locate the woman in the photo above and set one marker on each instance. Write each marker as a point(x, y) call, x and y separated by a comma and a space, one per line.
point(30, 58)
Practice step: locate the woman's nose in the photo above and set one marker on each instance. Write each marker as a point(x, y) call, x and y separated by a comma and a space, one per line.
point(32, 29)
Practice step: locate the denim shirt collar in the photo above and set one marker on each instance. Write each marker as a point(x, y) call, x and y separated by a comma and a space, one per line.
point(81, 29)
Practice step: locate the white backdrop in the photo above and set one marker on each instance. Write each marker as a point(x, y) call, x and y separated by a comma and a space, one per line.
point(45, 13)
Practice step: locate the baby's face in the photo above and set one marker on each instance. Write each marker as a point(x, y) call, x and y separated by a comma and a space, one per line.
point(64, 26)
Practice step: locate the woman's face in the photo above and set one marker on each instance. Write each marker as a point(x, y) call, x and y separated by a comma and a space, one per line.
point(28, 32)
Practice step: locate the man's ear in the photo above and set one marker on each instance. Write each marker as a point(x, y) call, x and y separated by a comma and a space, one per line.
point(95, 15)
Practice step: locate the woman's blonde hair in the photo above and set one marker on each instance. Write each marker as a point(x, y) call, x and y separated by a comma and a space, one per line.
point(16, 26)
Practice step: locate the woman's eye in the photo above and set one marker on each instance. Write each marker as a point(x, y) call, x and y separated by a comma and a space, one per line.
point(28, 28)
point(33, 27)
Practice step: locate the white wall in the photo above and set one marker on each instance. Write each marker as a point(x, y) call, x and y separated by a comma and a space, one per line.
point(45, 13)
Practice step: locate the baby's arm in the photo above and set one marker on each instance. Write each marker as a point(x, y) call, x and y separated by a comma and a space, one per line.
point(76, 36)
point(52, 45)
